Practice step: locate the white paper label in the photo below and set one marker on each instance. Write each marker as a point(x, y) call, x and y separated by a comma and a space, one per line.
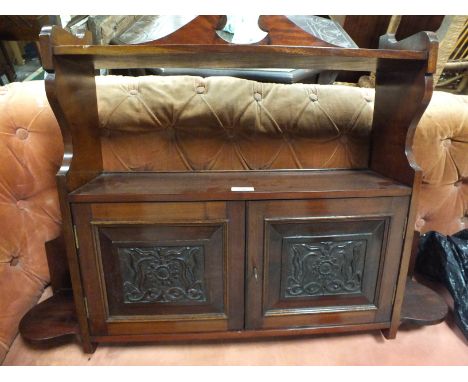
point(242, 189)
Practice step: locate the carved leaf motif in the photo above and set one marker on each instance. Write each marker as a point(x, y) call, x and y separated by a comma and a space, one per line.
point(324, 268)
point(162, 274)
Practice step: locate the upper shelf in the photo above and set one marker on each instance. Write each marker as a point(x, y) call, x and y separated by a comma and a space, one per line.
point(236, 56)
point(291, 42)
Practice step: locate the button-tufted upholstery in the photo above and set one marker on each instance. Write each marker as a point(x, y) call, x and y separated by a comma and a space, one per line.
point(30, 153)
point(242, 124)
point(224, 123)
point(441, 149)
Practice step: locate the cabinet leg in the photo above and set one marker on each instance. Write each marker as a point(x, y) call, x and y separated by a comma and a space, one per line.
point(390, 333)
point(88, 346)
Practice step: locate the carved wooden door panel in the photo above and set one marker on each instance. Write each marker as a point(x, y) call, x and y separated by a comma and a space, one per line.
point(325, 262)
point(162, 267)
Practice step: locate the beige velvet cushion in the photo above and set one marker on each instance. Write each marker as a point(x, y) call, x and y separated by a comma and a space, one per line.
point(224, 123)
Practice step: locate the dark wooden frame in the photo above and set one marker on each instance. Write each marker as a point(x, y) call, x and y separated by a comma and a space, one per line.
point(404, 72)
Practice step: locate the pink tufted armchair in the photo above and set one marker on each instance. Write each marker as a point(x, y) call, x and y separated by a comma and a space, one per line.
point(31, 151)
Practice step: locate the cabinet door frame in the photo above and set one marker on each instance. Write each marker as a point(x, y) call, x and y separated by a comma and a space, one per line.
point(228, 216)
point(392, 211)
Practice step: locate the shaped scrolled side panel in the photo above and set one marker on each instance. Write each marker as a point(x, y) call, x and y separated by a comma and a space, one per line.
point(403, 92)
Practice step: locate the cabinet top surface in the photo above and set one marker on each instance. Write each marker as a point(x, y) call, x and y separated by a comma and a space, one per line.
point(237, 185)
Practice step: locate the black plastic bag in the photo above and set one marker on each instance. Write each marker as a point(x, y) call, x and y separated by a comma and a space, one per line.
point(445, 259)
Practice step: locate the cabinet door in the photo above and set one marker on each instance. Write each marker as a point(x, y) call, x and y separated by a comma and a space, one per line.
point(325, 262)
point(162, 267)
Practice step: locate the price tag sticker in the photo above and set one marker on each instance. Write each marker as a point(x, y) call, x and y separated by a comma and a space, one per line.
point(242, 189)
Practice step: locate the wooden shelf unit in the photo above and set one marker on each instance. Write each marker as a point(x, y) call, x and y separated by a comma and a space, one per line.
point(157, 256)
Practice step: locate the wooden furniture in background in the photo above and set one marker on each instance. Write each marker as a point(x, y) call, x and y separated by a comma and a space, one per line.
point(186, 255)
point(453, 54)
point(24, 27)
point(366, 30)
point(7, 70)
point(14, 28)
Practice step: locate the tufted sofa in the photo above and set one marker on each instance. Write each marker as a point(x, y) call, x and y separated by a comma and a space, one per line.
point(183, 128)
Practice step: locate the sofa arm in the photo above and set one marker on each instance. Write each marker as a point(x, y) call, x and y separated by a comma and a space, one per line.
point(441, 149)
point(31, 149)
